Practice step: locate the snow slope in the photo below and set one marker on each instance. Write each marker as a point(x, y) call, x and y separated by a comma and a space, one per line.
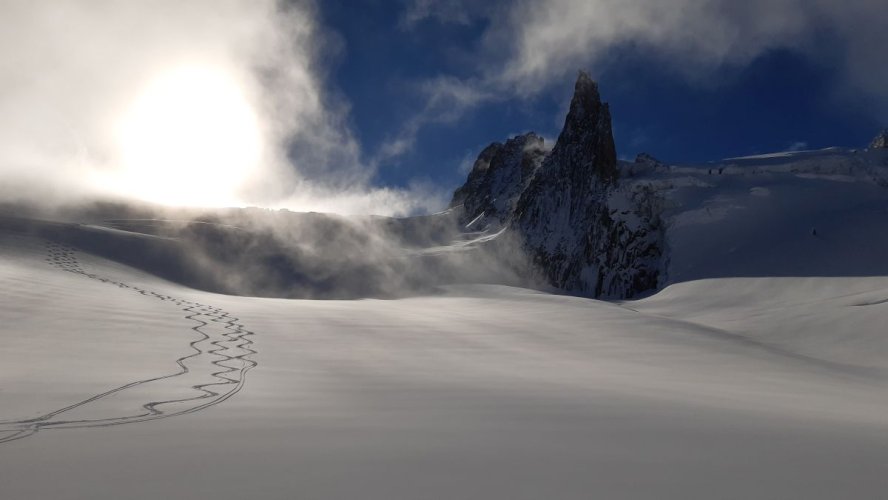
point(813, 213)
point(720, 388)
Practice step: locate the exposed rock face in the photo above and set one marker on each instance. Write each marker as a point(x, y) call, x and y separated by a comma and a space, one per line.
point(880, 141)
point(585, 147)
point(498, 177)
point(583, 231)
point(646, 159)
point(643, 164)
point(472, 187)
point(585, 234)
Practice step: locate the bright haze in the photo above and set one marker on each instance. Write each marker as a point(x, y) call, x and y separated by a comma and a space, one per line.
point(379, 107)
point(204, 102)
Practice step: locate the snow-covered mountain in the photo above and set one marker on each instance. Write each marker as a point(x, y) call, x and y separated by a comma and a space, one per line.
point(596, 226)
point(757, 370)
point(570, 217)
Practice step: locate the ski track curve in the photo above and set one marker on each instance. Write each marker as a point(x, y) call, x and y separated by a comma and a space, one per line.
point(232, 350)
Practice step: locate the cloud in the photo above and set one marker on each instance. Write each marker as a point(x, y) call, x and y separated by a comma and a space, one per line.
point(531, 44)
point(554, 37)
point(443, 11)
point(446, 100)
point(69, 69)
point(418, 197)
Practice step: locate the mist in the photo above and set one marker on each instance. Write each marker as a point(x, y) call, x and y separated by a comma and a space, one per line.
point(71, 73)
point(279, 253)
point(130, 125)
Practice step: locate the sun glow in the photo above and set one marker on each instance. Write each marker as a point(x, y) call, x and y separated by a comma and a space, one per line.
point(190, 138)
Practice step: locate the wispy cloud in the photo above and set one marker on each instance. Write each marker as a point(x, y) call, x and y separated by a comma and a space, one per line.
point(444, 11)
point(531, 44)
point(446, 100)
point(554, 37)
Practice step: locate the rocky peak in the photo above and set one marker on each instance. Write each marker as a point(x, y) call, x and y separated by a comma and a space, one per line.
point(582, 230)
point(564, 220)
point(476, 175)
point(647, 158)
point(644, 163)
point(585, 146)
point(880, 141)
point(498, 177)
point(581, 165)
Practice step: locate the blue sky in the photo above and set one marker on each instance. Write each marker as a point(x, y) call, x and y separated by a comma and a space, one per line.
point(777, 98)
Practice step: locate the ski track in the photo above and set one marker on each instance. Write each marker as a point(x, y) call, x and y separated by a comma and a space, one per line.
point(232, 349)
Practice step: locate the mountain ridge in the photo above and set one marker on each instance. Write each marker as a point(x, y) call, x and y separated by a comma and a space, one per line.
point(594, 226)
point(569, 214)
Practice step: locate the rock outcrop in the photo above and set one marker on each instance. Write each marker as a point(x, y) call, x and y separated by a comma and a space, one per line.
point(498, 178)
point(880, 141)
point(584, 232)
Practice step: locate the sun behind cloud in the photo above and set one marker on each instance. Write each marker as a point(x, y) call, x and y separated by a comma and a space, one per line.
point(190, 138)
